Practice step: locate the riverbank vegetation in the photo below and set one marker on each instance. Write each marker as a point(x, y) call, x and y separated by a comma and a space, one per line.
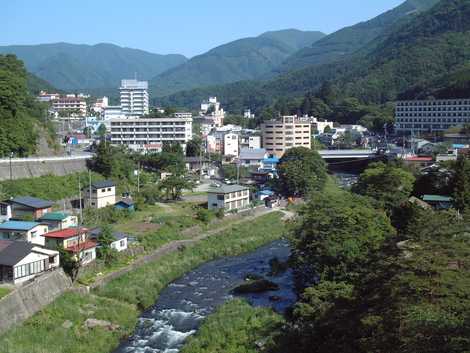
point(236, 327)
point(368, 286)
point(60, 327)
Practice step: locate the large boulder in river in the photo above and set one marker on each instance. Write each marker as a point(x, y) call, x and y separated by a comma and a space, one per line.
point(256, 286)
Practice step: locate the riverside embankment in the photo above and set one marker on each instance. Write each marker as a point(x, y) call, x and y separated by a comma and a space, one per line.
point(61, 326)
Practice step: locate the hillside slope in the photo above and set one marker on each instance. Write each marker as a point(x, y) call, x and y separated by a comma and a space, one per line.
point(244, 59)
point(350, 39)
point(433, 45)
point(73, 67)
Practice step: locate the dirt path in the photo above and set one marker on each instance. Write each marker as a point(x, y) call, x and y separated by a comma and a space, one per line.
point(175, 245)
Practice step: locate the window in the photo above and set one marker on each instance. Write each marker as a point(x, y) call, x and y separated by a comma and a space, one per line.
point(122, 243)
point(220, 197)
point(109, 189)
point(3, 209)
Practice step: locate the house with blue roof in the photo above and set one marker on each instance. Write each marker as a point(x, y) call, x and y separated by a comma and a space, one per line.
point(30, 232)
point(270, 164)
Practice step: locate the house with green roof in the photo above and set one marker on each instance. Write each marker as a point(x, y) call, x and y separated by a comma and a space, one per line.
point(59, 220)
point(438, 202)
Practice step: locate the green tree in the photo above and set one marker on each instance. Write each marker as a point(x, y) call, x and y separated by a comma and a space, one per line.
point(301, 171)
point(462, 184)
point(101, 132)
point(105, 239)
point(194, 147)
point(336, 235)
point(389, 184)
point(174, 185)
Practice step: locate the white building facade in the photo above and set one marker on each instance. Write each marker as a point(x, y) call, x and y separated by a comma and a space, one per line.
point(431, 115)
point(134, 97)
point(144, 134)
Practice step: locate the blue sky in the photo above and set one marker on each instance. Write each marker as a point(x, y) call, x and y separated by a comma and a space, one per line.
point(188, 27)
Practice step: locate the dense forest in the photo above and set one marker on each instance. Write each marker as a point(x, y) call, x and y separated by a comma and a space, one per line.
point(20, 114)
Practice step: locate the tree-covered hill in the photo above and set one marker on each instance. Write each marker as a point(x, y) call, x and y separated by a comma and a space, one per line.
point(434, 45)
point(350, 39)
point(20, 113)
point(73, 67)
point(243, 59)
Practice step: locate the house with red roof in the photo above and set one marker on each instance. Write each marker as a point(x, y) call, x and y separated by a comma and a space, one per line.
point(74, 240)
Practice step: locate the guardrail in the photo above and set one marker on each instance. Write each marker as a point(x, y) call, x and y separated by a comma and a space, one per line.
point(46, 159)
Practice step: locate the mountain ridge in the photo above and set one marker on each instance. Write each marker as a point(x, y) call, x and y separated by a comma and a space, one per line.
point(81, 66)
point(242, 59)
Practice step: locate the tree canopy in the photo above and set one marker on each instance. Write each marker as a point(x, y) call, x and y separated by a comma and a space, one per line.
point(301, 171)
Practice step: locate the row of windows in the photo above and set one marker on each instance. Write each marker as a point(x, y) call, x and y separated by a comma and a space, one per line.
point(155, 136)
point(29, 269)
point(435, 102)
point(454, 120)
point(168, 129)
point(434, 109)
point(434, 114)
point(148, 123)
point(424, 126)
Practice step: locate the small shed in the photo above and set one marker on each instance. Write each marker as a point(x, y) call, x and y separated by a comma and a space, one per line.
point(125, 204)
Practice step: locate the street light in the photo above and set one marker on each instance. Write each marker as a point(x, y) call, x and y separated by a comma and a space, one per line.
point(11, 170)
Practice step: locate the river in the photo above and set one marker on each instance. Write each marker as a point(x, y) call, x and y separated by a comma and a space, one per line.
point(183, 305)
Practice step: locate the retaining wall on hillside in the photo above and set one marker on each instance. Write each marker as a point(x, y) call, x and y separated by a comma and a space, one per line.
point(31, 169)
point(25, 301)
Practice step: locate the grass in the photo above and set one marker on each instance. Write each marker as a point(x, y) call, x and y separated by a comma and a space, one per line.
point(234, 328)
point(44, 332)
point(119, 301)
point(4, 292)
point(63, 186)
point(144, 284)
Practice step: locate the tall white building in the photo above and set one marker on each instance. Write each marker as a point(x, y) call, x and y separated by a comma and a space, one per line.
point(134, 97)
point(431, 115)
point(211, 109)
point(149, 134)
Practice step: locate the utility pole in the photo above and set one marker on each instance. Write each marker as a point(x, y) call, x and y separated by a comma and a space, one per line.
point(89, 187)
point(138, 177)
point(80, 199)
point(11, 169)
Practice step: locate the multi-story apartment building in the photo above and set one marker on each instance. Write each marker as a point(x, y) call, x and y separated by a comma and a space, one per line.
point(70, 105)
point(149, 134)
point(231, 145)
point(134, 97)
point(431, 115)
point(288, 132)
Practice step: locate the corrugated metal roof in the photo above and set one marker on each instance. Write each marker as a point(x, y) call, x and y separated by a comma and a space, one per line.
point(103, 184)
point(225, 189)
point(32, 202)
point(12, 252)
point(54, 216)
point(18, 225)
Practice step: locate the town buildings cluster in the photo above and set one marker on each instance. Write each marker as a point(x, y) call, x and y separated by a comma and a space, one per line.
point(32, 233)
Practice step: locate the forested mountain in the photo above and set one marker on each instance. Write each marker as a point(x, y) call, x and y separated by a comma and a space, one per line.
point(244, 59)
point(350, 39)
point(73, 67)
point(20, 113)
point(434, 45)
point(36, 84)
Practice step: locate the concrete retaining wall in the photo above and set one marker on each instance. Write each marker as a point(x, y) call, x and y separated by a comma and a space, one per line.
point(31, 298)
point(31, 169)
